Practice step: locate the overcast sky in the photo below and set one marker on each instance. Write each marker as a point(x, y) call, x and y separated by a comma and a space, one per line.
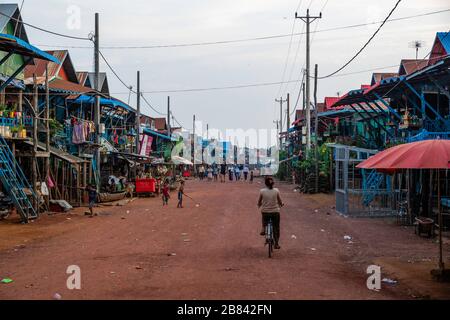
point(152, 22)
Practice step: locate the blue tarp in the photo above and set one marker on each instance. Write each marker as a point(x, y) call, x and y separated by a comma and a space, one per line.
point(103, 101)
point(9, 43)
point(154, 133)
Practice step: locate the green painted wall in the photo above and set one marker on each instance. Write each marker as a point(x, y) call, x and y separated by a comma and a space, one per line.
point(15, 61)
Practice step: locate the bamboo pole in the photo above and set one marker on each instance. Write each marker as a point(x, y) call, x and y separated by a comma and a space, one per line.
point(35, 140)
point(441, 263)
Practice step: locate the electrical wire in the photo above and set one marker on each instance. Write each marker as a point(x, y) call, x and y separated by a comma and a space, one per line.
point(150, 105)
point(365, 45)
point(303, 67)
point(115, 73)
point(245, 39)
point(289, 50)
point(130, 88)
point(45, 30)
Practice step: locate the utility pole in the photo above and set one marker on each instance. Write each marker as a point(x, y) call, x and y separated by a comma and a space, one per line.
point(47, 135)
point(280, 128)
point(288, 118)
point(169, 131)
point(138, 111)
point(193, 144)
point(97, 99)
point(35, 141)
point(316, 129)
point(308, 20)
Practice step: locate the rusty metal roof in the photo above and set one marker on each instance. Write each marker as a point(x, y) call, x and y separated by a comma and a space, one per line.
point(408, 66)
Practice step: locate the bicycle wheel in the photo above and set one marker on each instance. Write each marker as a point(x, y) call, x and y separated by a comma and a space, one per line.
point(270, 239)
point(270, 248)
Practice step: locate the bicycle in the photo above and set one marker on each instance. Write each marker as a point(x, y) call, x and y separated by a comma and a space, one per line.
point(402, 213)
point(270, 241)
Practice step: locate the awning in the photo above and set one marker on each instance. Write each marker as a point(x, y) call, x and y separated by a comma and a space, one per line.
point(180, 160)
point(59, 153)
point(132, 158)
point(157, 134)
point(9, 43)
point(103, 101)
point(19, 84)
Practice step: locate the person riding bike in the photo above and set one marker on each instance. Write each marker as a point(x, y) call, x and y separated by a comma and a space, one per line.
point(269, 203)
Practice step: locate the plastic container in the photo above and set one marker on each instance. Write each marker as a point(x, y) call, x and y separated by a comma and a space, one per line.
point(145, 185)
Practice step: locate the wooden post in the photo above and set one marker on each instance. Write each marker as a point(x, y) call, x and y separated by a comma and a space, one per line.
point(441, 263)
point(47, 134)
point(35, 140)
point(84, 176)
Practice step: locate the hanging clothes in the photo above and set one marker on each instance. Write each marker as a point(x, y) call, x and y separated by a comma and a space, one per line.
point(78, 136)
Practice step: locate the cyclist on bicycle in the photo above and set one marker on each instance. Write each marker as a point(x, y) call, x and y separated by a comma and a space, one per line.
point(270, 203)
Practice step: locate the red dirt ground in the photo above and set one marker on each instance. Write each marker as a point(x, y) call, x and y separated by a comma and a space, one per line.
point(214, 251)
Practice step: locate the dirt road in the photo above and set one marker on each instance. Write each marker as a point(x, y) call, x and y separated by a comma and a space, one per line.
point(214, 251)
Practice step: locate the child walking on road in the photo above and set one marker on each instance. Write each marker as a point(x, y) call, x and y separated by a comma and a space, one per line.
point(180, 194)
point(165, 194)
point(92, 193)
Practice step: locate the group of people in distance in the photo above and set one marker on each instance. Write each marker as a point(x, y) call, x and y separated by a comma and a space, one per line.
point(234, 172)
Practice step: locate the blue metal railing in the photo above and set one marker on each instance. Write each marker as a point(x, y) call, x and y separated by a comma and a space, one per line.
point(427, 135)
point(15, 182)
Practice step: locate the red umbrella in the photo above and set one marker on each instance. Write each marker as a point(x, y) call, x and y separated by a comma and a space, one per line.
point(428, 154)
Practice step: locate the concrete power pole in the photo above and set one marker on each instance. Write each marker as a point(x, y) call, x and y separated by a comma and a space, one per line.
point(193, 144)
point(97, 98)
point(288, 116)
point(138, 111)
point(280, 128)
point(169, 131)
point(308, 20)
point(316, 129)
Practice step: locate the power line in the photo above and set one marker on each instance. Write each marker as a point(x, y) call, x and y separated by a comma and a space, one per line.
point(365, 45)
point(224, 88)
point(115, 73)
point(45, 30)
point(289, 50)
point(245, 39)
point(176, 120)
point(298, 49)
point(127, 86)
point(149, 104)
point(429, 53)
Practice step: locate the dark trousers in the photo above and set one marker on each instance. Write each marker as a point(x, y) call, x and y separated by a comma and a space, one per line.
point(275, 216)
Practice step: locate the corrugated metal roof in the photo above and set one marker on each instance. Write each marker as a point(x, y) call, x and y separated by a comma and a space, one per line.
point(11, 43)
point(9, 9)
point(378, 76)
point(59, 153)
point(12, 10)
point(82, 76)
point(53, 68)
point(408, 66)
point(444, 38)
point(65, 86)
point(103, 79)
point(160, 124)
point(329, 101)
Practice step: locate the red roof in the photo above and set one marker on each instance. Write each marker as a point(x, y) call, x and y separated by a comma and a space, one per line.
point(408, 66)
point(54, 69)
point(329, 101)
point(160, 124)
point(378, 76)
point(64, 85)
